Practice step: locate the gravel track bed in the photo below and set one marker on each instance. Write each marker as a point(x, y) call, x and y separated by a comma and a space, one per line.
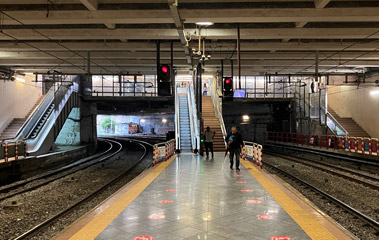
point(355, 195)
point(44, 202)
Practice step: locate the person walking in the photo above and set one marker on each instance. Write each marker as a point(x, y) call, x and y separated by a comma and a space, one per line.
point(235, 142)
point(205, 90)
point(208, 141)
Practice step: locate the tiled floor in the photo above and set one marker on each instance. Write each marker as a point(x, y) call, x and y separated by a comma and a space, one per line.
point(195, 198)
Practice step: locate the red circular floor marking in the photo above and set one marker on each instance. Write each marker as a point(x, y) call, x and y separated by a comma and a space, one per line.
point(175, 181)
point(265, 217)
point(254, 201)
point(237, 175)
point(166, 201)
point(143, 238)
point(280, 238)
point(170, 190)
point(247, 190)
point(156, 216)
point(241, 182)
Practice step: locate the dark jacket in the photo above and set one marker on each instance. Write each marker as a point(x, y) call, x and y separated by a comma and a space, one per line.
point(235, 139)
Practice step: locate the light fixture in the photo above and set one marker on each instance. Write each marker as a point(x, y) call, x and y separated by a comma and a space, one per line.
point(245, 117)
point(375, 92)
point(142, 120)
point(164, 120)
point(20, 79)
point(205, 23)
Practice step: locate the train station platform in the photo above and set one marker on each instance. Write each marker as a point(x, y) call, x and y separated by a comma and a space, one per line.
point(190, 197)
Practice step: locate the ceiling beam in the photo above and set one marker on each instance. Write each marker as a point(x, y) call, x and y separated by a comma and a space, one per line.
point(90, 4)
point(220, 46)
point(172, 34)
point(321, 3)
point(173, 4)
point(163, 16)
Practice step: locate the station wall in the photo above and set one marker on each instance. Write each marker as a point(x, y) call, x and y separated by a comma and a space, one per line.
point(361, 104)
point(17, 99)
point(263, 117)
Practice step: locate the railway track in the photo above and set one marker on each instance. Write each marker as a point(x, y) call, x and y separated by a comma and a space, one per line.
point(366, 219)
point(17, 188)
point(367, 180)
point(34, 230)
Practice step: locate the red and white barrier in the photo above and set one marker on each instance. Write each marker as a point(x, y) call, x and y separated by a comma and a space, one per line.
point(253, 152)
point(163, 151)
point(352, 144)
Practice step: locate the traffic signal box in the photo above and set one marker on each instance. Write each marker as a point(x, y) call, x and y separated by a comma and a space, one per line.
point(164, 80)
point(228, 87)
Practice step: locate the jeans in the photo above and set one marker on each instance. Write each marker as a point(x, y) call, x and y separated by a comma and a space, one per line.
point(208, 146)
point(236, 152)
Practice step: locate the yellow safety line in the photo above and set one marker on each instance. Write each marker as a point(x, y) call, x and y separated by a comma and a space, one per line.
point(313, 228)
point(100, 222)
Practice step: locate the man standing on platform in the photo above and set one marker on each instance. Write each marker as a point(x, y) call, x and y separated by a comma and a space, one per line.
point(235, 143)
point(208, 142)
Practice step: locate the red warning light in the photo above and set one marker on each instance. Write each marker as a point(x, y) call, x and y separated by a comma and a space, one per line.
point(247, 190)
point(164, 69)
point(227, 81)
point(143, 238)
point(241, 182)
point(265, 217)
point(280, 238)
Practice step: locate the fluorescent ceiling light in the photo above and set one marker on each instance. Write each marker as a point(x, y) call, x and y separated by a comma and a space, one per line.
point(20, 79)
point(204, 23)
point(245, 117)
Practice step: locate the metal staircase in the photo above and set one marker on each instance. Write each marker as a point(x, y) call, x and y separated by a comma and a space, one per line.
point(185, 131)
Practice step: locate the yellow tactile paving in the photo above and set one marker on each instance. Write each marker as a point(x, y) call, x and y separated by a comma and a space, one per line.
point(313, 228)
point(98, 224)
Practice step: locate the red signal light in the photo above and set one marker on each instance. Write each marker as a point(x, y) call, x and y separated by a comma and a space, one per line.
point(227, 81)
point(164, 69)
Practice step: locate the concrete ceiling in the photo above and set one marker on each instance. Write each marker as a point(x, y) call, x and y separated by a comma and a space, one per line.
point(277, 36)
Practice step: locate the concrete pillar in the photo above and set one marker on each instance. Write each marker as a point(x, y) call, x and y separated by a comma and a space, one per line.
point(88, 134)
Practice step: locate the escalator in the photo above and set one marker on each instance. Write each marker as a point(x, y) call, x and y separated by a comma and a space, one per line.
point(43, 126)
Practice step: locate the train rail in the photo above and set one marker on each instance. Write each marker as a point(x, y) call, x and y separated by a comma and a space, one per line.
point(33, 231)
point(373, 181)
point(366, 219)
point(114, 148)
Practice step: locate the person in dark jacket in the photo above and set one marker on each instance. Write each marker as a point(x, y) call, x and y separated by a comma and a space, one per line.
point(235, 142)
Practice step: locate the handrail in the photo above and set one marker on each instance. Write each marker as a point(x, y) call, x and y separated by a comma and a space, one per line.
point(34, 144)
point(66, 89)
point(217, 105)
point(334, 121)
point(177, 119)
point(193, 118)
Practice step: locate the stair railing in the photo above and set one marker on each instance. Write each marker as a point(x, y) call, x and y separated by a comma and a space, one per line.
point(217, 105)
point(334, 125)
point(195, 135)
point(177, 119)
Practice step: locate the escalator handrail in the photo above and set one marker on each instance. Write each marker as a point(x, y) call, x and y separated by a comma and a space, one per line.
point(36, 134)
point(45, 103)
point(71, 88)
